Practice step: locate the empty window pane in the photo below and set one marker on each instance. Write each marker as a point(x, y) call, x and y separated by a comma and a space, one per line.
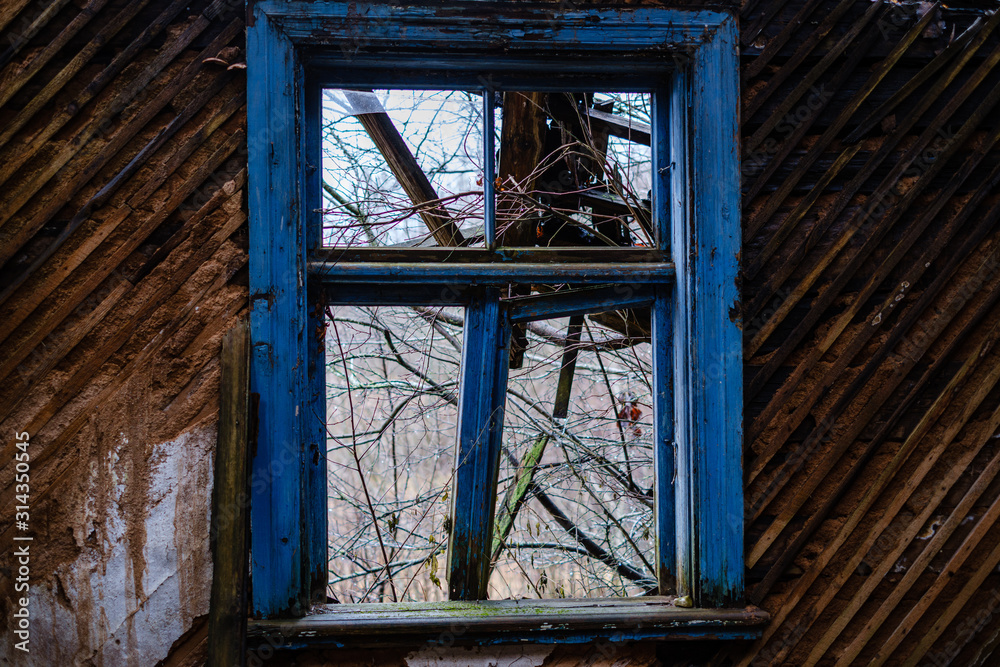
point(391, 410)
point(574, 510)
point(402, 168)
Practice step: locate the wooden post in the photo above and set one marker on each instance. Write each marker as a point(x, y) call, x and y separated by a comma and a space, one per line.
point(228, 607)
point(480, 424)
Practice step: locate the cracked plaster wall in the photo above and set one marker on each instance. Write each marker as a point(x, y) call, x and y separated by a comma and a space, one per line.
point(137, 584)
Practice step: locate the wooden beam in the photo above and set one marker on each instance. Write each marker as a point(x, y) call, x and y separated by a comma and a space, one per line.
point(480, 423)
point(617, 126)
point(489, 274)
point(522, 147)
point(410, 176)
point(228, 607)
point(522, 144)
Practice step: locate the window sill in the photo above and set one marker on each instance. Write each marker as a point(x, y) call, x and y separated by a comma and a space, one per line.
point(506, 621)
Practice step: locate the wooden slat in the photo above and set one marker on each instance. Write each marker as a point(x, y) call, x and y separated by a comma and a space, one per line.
point(227, 610)
point(15, 75)
point(17, 237)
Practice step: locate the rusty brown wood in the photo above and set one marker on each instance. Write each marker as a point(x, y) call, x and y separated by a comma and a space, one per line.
point(31, 335)
point(847, 112)
point(227, 623)
point(913, 274)
point(60, 80)
point(775, 44)
point(82, 375)
point(9, 11)
point(960, 46)
point(929, 598)
point(876, 229)
point(944, 619)
point(100, 121)
point(29, 27)
point(885, 148)
point(915, 570)
point(874, 491)
point(941, 487)
point(749, 34)
point(522, 144)
point(44, 283)
point(15, 75)
point(815, 103)
point(81, 414)
point(830, 500)
point(761, 502)
point(808, 81)
point(139, 161)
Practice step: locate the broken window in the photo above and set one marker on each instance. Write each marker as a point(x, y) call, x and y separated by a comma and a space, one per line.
point(404, 169)
point(494, 315)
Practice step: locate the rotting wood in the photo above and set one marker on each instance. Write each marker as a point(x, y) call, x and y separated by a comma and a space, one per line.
point(139, 161)
point(81, 414)
point(938, 326)
point(169, 284)
point(875, 228)
point(807, 82)
point(913, 274)
point(31, 27)
point(15, 75)
point(151, 221)
point(869, 498)
point(66, 74)
point(522, 144)
point(17, 238)
point(791, 221)
point(617, 126)
point(228, 608)
point(941, 487)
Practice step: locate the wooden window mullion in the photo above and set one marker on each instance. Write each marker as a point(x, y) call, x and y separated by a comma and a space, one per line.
point(480, 429)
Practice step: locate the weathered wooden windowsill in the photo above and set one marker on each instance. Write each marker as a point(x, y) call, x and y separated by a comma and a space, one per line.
point(507, 621)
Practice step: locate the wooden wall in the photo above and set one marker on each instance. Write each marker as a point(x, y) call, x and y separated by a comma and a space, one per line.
point(122, 247)
point(872, 276)
point(870, 315)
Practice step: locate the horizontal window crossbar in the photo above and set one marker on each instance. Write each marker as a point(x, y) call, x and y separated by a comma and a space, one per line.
point(564, 620)
point(362, 294)
point(578, 302)
point(490, 274)
point(502, 255)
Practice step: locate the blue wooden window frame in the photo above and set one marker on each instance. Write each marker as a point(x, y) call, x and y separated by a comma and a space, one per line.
point(688, 59)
